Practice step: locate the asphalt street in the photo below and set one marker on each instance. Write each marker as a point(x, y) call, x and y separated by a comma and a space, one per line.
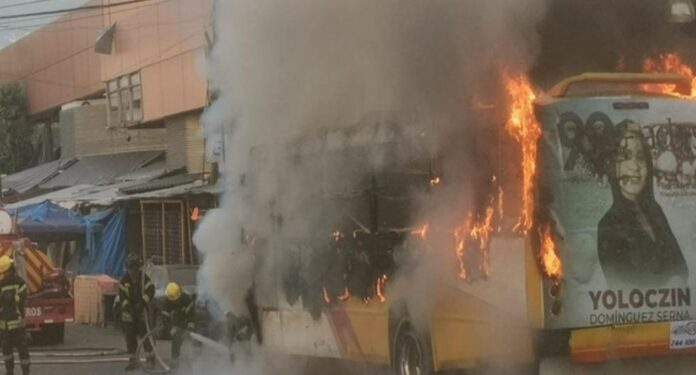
point(104, 348)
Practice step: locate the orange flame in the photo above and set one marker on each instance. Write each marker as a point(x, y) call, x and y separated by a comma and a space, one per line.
point(460, 239)
point(524, 127)
point(477, 233)
point(337, 235)
point(345, 296)
point(669, 63)
point(325, 295)
point(380, 288)
point(550, 260)
point(435, 181)
point(422, 231)
point(195, 214)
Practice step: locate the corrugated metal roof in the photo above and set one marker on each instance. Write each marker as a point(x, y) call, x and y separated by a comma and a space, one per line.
point(163, 183)
point(101, 169)
point(54, 196)
point(23, 181)
point(157, 168)
point(196, 187)
point(99, 195)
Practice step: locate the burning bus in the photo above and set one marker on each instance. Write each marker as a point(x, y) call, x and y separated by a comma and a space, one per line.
point(355, 261)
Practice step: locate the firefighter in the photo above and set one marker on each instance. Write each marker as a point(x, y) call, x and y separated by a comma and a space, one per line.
point(136, 290)
point(13, 294)
point(178, 314)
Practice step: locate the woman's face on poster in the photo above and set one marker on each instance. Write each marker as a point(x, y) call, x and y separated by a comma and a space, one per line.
point(631, 166)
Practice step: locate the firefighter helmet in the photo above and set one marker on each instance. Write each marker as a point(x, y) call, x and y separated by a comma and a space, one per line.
point(173, 291)
point(5, 263)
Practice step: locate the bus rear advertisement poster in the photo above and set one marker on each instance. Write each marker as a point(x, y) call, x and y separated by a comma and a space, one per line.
point(619, 187)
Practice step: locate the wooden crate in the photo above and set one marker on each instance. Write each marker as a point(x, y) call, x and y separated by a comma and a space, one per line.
point(89, 292)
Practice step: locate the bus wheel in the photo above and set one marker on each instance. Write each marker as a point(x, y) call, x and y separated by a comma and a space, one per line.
point(412, 354)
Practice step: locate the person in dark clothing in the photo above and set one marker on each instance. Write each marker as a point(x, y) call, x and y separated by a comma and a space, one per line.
point(136, 290)
point(178, 315)
point(636, 246)
point(13, 294)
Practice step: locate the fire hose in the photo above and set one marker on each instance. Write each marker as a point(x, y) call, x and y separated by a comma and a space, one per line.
point(149, 336)
point(218, 347)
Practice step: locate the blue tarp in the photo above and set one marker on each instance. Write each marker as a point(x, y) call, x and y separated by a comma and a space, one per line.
point(105, 252)
point(104, 249)
point(48, 218)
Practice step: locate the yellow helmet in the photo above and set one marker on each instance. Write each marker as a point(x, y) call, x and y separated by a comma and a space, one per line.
point(173, 291)
point(5, 263)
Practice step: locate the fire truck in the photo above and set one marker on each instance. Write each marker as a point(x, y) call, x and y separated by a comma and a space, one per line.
point(50, 302)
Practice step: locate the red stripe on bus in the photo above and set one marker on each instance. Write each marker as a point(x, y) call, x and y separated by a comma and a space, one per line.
point(341, 323)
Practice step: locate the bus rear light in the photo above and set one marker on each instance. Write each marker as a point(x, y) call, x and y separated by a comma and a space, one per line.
point(556, 309)
point(555, 290)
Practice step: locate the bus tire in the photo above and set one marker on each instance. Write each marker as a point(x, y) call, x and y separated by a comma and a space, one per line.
point(412, 353)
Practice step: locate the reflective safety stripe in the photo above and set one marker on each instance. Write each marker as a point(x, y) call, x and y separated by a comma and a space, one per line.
point(9, 287)
point(124, 288)
point(149, 284)
point(22, 289)
point(6, 325)
point(189, 307)
point(126, 317)
point(146, 298)
point(166, 313)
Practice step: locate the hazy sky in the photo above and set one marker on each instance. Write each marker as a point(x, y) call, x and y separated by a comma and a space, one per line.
point(14, 29)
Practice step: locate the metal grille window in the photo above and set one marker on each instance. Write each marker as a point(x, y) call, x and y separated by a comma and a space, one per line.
point(125, 100)
point(164, 230)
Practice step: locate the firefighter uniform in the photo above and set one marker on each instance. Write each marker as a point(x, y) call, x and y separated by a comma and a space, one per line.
point(136, 290)
point(13, 294)
point(178, 315)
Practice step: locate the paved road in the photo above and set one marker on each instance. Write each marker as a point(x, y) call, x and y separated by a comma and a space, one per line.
point(108, 344)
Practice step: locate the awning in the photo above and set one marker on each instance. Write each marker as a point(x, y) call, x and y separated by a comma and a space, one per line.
point(23, 181)
point(194, 188)
point(71, 196)
point(163, 183)
point(54, 196)
point(101, 169)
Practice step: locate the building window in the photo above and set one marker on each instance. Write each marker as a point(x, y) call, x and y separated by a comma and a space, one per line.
point(125, 99)
point(164, 232)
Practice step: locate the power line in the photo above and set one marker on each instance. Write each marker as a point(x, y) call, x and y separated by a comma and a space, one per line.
point(52, 20)
point(68, 10)
point(144, 62)
point(22, 4)
point(37, 28)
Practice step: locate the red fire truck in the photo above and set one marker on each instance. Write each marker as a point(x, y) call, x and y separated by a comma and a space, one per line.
point(50, 302)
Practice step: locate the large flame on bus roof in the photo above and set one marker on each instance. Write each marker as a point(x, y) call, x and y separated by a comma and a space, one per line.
point(550, 260)
point(524, 127)
point(669, 63)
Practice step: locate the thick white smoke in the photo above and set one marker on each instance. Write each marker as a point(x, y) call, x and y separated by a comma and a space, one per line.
point(281, 69)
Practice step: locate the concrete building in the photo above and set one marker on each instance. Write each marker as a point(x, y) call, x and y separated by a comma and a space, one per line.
point(124, 81)
point(142, 92)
